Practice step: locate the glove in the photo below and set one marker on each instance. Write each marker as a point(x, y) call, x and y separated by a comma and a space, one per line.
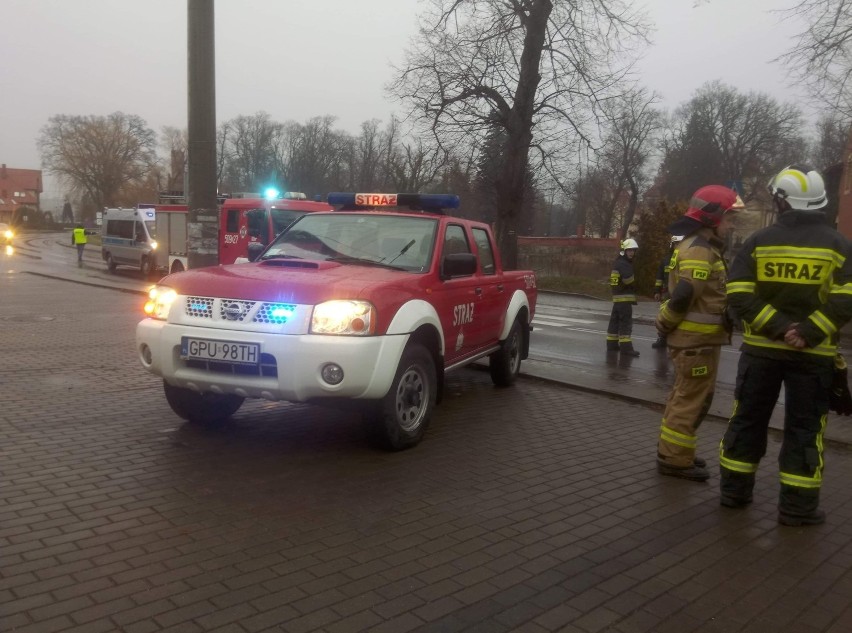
point(661, 326)
point(840, 400)
point(657, 296)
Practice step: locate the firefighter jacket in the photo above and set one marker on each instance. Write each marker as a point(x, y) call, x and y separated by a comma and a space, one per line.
point(622, 281)
point(694, 316)
point(661, 284)
point(796, 271)
point(78, 236)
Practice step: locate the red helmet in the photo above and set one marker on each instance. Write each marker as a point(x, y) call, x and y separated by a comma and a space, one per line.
point(710, 203)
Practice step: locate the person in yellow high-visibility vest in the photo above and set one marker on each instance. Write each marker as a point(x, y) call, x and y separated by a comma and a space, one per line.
point(78, 239)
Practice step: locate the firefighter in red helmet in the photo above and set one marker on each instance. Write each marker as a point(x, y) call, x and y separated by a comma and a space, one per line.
point(694, 323)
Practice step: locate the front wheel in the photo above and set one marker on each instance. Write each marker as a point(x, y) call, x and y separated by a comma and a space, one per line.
point(505, 363)
point(201, 408)
point(400, 419)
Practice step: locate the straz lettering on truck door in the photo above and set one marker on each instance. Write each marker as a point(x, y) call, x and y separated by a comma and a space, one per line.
point(463, 314)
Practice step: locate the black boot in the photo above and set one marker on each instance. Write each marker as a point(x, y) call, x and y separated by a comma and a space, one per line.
point(627, 349)
point(815, 517)
point(692, 473)
point(660, 343)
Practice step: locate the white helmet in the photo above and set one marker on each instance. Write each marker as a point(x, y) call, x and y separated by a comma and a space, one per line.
point(802, 187)
point(675, 239)
point(628, 244)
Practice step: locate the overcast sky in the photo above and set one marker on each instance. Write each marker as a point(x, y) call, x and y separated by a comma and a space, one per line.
point(296, 59)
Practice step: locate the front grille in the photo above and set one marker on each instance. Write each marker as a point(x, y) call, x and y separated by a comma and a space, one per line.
point(274, 313)
point(201, 307)
point(239, 310)
point(267, 368)
point(234, 309)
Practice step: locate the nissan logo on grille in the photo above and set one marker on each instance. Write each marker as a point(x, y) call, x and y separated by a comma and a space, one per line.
point(233, 311)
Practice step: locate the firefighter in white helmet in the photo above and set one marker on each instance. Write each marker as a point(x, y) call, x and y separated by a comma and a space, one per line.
point(791, 286)
point(623, 283)
point(661, 285)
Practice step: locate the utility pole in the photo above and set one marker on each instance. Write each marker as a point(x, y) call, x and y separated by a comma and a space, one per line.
point(203, 226)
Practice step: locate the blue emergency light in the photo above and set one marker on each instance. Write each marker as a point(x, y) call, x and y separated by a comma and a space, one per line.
point(271, 193)
point(418, 201)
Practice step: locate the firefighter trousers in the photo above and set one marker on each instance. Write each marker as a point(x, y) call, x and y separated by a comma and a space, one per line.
point(807, 384)
point(688, 402)
point(620, 326)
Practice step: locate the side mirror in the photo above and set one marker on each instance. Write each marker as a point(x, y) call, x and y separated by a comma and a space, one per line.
point(458, 265)
point(254, 250)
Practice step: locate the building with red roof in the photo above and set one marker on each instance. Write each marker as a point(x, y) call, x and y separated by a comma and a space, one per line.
point(19, 189)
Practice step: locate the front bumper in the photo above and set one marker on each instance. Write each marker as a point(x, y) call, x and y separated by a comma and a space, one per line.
point(368, 363)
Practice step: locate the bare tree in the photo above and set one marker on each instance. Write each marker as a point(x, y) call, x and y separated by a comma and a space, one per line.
point(174, 143)
point(822, 53)
point(724, 135)
point(98, 155)
point(532, 68)
point(832, 134)
point(634, 124)
point(250, 152)
point(310, 155)
point(600, 200)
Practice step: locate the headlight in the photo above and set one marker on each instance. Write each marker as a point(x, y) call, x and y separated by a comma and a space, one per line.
point(153, 245)
point(354, 318)
point(9, 235)
point(160, 299)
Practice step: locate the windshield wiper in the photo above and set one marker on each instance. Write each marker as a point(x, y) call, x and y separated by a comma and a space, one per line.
point(401, 252)
point(347, 259)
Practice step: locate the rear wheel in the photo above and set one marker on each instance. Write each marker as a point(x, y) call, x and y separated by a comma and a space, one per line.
point(110, 262)
point(201, 408)
point(177, 267)
point(400, 419)
point(505, 363)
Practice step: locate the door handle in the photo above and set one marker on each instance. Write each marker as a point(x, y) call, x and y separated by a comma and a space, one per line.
point(500, 287)
point(478, 291)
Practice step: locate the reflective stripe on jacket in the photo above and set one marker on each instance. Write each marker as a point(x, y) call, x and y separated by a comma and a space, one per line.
point(622, 281)
point(696, 311)
point(796, 271)
point(80, 236)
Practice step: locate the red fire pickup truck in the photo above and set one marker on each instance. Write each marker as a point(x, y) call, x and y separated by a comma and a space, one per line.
point(362, 304)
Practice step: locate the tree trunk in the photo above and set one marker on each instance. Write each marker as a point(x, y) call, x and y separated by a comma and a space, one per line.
point(513, 173)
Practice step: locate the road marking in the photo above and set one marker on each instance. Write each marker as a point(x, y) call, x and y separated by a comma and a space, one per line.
point(558, 321)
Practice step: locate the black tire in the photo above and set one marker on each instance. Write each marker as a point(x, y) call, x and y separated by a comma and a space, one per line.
point(400, 419)
point(177, 267)
point(201, 408)
point(110, 262)
point(505, 363)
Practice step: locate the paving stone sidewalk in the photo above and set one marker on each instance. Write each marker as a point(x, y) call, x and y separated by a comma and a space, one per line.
point(535, 508)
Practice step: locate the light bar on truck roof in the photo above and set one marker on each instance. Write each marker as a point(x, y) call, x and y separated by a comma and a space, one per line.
point(424, 201)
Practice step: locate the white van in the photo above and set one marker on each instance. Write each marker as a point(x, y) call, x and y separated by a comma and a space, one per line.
point(128, 238)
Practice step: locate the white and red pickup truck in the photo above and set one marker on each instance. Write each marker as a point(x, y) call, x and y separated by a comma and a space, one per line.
point(363, 304)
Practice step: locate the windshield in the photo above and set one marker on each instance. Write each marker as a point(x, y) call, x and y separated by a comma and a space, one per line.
point(151, 225)
point(369, 238)
point(282, 218)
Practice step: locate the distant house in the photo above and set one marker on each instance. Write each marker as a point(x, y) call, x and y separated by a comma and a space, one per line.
point(19, 189)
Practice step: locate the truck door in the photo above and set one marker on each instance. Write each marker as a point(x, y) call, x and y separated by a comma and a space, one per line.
point(229, 239)
point(494, 294)
point(461, 300)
